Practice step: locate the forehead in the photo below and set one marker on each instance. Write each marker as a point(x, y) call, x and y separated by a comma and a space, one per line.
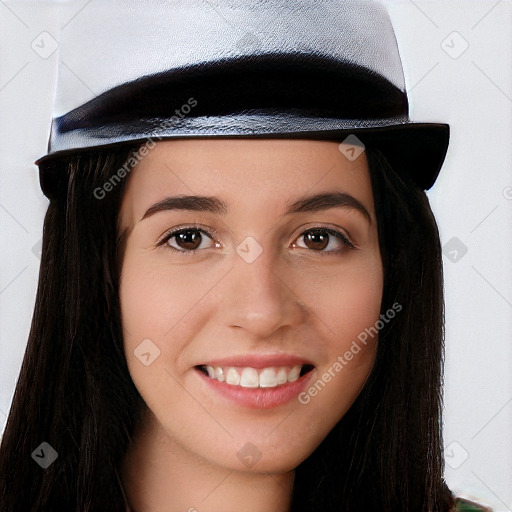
point(246, 173)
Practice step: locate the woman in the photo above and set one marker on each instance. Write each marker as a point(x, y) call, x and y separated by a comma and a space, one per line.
point(249, 316)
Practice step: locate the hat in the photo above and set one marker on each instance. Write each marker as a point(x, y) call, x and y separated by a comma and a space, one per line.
point(164, 69)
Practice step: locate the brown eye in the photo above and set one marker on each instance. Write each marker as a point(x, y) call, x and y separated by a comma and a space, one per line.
point(186, 240)
point(318, 239)
point(189, 240)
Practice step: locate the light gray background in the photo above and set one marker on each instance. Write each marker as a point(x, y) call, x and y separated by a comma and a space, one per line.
point(470, 88)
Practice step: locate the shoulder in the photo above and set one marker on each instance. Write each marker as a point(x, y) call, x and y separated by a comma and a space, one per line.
point(463, 505)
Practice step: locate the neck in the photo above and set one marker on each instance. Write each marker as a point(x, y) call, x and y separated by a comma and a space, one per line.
point(158, 474)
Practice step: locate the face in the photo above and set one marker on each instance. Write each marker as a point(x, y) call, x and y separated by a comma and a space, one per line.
point(243, 313)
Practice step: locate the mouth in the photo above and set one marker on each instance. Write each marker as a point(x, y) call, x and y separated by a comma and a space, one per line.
point(249, 377)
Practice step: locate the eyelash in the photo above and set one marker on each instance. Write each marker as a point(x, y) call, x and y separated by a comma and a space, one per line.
point(212, 233)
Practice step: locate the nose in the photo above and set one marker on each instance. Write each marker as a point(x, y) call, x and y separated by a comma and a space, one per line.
point(261, 296)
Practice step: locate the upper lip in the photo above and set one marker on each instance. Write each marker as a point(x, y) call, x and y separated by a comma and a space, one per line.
point(259, 361)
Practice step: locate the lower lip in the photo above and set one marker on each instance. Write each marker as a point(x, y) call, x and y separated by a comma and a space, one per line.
point(258, 398)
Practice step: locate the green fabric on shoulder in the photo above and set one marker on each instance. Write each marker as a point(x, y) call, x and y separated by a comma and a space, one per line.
point(463, 505)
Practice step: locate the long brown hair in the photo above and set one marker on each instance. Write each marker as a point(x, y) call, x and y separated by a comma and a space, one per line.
point(75, 392)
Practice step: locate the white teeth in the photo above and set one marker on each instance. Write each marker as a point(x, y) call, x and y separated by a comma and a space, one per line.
point(268, 378)
point(219, 374)
point(249, 378)
point(294, 374)
point(252, 378)
point(232, 377)
point(282, 376)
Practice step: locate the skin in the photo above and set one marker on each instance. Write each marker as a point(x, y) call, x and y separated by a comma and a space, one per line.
point(214, 304)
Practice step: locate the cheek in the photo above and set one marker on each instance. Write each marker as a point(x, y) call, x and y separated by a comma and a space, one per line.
point(154, 304)
point(346, 300)
point(149, 310)
point(349, 306)
point(155, 298)
point(162, 304)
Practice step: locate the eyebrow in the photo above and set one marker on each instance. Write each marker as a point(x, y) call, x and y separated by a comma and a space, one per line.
point(315, 203)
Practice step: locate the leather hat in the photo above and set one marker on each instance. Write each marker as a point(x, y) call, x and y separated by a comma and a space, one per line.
point(163, 69)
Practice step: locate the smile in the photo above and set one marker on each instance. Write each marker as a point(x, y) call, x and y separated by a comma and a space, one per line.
point(248, 377)
point(256, 382)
